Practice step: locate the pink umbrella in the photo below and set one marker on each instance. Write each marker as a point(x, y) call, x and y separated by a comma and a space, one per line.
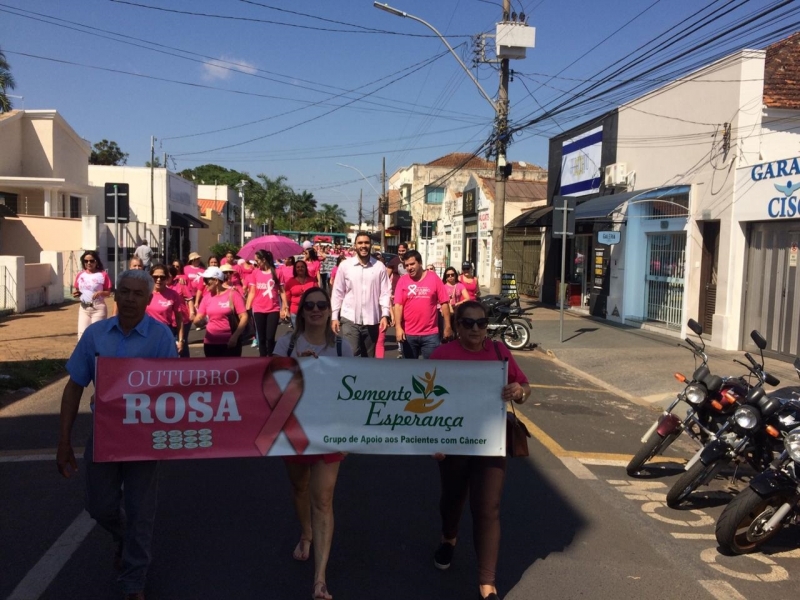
point(280, 246)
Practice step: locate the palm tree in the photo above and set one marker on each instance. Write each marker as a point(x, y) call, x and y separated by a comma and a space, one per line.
point(271, 201)
point(301, 206)
point(6, 83)
point(331, 217)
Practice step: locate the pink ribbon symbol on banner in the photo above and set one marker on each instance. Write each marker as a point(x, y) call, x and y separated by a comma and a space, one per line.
point(282, 405)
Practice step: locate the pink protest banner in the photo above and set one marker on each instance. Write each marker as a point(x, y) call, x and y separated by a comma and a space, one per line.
point(152, 409)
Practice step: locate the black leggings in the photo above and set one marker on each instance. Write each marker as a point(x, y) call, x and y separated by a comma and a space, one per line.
point(221, 350)
point(266, 328)
point(482, 477)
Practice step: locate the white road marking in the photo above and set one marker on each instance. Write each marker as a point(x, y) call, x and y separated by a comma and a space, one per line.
point(44, 572)
point(776, 572)
point(650, 509)
point(721, 590)
point(786, 554)
point(694, 536)
point(603, 462)
point(27, 458)
point(577, 469)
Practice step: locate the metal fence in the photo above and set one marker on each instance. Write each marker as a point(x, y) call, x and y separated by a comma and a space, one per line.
point(7, 283)
point(521, 256)
point(666, 261)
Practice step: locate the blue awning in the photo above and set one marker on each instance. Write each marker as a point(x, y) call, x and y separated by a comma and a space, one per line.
point(603, 206)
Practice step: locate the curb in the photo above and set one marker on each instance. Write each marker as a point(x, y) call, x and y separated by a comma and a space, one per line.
point(597, 381)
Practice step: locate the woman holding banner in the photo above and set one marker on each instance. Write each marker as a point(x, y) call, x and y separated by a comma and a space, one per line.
point(481, 477)
point(313, 477)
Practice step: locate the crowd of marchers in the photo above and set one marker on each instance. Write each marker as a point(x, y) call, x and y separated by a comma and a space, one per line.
point(339, 311)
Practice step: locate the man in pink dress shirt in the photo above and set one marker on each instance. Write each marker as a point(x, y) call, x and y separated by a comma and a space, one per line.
point(361, 299)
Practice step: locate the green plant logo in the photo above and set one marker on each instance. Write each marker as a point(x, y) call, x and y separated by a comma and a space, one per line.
point(430, 393)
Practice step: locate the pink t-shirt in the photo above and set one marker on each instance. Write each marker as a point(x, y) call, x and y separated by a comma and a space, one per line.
point(285, 273)
point(164, 306)
point(89, 283)
point(295, 290)
point(419, 300)
point(268, 297)
point(472, 288)
point(455, 351)
point(192, 273)
point(217, 308)
point(334, 270)
point(186, 294)
point(313, 268)
point(455, 292)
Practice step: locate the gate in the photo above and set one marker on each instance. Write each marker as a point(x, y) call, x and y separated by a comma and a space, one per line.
point(521, 256)
point(664, 282)
point(772, 299)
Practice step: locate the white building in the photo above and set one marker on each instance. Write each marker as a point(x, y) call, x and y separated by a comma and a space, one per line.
point(699, 178)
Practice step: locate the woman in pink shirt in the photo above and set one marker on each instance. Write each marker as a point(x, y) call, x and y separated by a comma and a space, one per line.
point(314, 265)
point(456, 291)
point(469, 281)
point(267, 300)
point(166, 305)
point(178, 284)
point(92, 286)
point(219, 306)
point(296, 287)
point(479, 477)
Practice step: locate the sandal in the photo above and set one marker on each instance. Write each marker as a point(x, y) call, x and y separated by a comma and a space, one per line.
point(303, 550)
point(321, 591)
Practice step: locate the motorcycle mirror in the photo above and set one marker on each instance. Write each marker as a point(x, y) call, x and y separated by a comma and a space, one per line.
point(758, 339)
point(695, 327)
point(771, 379)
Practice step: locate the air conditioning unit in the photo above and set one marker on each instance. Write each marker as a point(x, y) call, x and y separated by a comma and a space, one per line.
point(616, 174)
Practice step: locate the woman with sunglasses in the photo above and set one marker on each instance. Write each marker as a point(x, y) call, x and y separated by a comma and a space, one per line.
point(166, 305)
point(267, 300)
point(479, 477)
point(469, 281)
point(297, 286)
point(217, 306)
point(313, 477)
point(92, 286)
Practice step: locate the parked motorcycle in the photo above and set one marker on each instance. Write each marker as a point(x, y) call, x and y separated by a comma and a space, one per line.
point(508, 322)
point(709, 399)
point(751, 434)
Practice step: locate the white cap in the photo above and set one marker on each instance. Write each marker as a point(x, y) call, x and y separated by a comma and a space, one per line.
point(213, 273)
point(307, 245)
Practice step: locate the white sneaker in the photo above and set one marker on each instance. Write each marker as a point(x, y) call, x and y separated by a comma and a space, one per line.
point(254, 344)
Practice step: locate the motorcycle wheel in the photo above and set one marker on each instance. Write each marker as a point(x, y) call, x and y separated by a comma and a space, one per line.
point(648, 450)
point(516, 336)
point(689, 482)
point(740, 526)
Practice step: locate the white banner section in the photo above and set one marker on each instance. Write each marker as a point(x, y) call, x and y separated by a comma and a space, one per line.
point(399, 407)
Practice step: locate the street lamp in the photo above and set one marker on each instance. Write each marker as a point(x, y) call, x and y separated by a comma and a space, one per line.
point(240, 186)
point(400, 13)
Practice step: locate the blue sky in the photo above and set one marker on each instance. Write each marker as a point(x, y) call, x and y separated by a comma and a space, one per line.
point(286, 78)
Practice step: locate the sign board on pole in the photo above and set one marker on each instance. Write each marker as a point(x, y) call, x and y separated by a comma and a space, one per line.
point(122, 211)
point(508, 285)
point(558, 216)
point(608, 238)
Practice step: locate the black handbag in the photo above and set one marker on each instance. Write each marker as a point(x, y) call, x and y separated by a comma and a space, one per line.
point(516, 433)
point(233, 322)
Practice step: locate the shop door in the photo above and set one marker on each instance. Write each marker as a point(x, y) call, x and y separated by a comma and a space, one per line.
point(708, 275)
point(472, 251)
point(664, 281)
point(772, 301)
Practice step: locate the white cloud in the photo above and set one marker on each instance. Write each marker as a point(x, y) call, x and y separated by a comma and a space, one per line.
point(225, 67)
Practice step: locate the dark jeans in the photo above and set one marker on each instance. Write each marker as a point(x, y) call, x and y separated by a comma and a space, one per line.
point(362, 338)
point(415, 346)
point(213, 350)
point(266, 328)
point(133, 526)
point(186, 326)
point(482, 477)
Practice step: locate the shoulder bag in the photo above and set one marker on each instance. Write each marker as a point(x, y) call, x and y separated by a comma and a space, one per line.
point(233, 322)
point(516, 433)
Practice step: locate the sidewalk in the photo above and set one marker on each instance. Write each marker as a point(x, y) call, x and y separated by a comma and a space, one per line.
point(638, 365)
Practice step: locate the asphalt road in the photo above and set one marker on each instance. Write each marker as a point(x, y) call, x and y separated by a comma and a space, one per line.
point(574, 525)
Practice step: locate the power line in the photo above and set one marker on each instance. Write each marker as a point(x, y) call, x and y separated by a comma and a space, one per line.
point(281, 23)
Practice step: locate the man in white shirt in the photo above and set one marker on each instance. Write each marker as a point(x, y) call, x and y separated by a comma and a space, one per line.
point(145, 253)
point(361, 299)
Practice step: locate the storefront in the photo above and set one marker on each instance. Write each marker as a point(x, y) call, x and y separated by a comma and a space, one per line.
point(767, 206)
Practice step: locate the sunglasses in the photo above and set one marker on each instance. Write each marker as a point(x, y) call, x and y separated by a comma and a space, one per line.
point(89, 261)
point(452, 274)
point(157, 277)
point(482, 323)
point(320, 304)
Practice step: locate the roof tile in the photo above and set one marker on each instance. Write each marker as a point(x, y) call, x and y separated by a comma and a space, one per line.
point(782, 73)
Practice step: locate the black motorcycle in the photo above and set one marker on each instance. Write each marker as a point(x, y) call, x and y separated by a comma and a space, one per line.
point(709, 401)
point(772, 500)
point(507, 321)
point(751, 434)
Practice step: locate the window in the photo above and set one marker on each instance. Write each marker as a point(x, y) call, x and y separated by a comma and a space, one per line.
point(74, 207)
point(434, 195)
point(9, 200)
point(469, 202)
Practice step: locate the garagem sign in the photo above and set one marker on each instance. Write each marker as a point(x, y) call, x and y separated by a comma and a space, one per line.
point(779, 168)
point(769, 191)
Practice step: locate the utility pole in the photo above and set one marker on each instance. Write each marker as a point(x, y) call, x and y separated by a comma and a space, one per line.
point(383, 205)
point(152, 180)
point(500, 175)
point(360, 198)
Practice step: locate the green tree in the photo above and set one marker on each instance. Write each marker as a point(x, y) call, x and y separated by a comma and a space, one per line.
point(156, 163)
point(331, 218)
point(216, 175)
point(107, 153)
point(6, 83)
point(302, 207)
point(269, 200)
